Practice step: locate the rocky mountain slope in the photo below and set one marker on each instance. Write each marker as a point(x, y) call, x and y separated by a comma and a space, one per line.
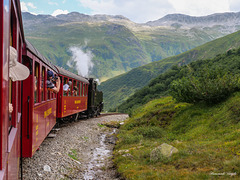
point(228, 21)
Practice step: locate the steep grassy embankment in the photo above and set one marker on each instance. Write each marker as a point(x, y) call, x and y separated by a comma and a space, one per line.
point(207, 139)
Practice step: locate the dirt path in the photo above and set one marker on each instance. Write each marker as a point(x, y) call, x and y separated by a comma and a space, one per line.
point(81, 150)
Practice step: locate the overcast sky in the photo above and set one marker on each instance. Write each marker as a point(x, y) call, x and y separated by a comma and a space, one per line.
point(139, 11)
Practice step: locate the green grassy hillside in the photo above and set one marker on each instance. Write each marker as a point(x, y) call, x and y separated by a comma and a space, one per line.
point(207, 139)
point(118, 89)
point(159, 86)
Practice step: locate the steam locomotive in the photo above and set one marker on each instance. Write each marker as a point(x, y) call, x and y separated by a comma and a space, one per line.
point(36, 109)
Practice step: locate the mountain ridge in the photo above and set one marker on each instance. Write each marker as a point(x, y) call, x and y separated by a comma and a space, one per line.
point(231, 18)
point(213, 19)
point(116, 43)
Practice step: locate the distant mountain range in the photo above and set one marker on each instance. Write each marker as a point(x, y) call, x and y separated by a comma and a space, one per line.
point(117, 44)
point(219, 19)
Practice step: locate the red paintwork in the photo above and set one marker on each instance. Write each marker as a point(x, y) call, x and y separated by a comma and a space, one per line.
point(72, 105)
point(42, 121)
point(39, 118)
point(9, 140)
point(69, 105)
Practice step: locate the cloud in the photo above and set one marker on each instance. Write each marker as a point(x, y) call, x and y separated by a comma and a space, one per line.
point(59, 11)
point(53, 3)
point(25, 6)
point(142, 11)
point(200, 8)
point(234, 5)
point(31, 5)
point(135, 10)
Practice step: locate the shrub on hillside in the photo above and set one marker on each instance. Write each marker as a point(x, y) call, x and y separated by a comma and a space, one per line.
point(150, 131)
point(209, 85)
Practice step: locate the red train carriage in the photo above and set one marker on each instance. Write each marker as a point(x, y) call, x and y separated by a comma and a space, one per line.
point(39, 104)
point(11, 34)
point(71, 101)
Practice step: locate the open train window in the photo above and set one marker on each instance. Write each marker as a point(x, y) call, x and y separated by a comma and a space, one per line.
point(36, 83)
point(83, 90)
point(13, 29)
point(75, 89)
point(13, 43)
point(78, 86)
point(65, 90)
point(49, 91)
point(43, 84)
point(70, 87)
point(86, 88)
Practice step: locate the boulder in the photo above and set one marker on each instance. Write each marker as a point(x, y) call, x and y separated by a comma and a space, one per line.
point(163, 151)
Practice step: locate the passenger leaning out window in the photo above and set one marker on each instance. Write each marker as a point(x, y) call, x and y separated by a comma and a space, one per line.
point(53, 82)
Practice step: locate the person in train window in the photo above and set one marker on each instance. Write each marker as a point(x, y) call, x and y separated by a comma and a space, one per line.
point(50, 80)
point(75, 91)
point(17, 71)
point(67, 87)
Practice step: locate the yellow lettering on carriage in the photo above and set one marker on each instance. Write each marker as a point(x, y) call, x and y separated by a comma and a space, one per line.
point(36, 127)
point(47, 112)
point(77, 101)
point(47, 123)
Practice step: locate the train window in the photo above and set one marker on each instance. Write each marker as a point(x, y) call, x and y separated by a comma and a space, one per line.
point(75, 88)
point(78, 86)
point(70, 87)
point(12, 36)
point(49, 92)
point(65, 87)
point(13, 31)
point(36, 83)
point(43, 85)
point(86, 86)
point(83, 89)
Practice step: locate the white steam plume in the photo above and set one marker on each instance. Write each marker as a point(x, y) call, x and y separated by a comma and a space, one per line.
point(81, 60)
point(98, 81)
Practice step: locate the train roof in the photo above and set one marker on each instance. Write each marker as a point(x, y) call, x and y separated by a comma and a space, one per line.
point(71, 75)
point(31, 48)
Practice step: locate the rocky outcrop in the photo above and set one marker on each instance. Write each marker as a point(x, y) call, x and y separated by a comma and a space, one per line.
point(163, 151)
